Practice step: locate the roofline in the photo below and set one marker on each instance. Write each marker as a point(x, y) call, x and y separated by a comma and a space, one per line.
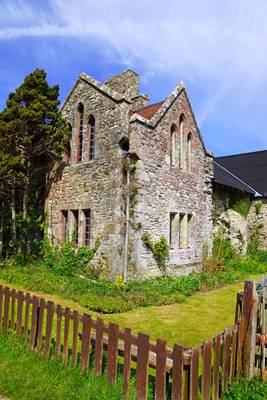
point(103, 88)
point(240, 180)
point(243, 154)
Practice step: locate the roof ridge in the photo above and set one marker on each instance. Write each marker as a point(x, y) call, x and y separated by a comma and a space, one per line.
point(242, 154)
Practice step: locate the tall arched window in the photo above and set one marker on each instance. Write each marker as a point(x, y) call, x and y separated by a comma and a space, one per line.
point(181, 135)
point(80, 133)
point(91, 131)
point(173, 145)
point(68, 145)
point(189, 152)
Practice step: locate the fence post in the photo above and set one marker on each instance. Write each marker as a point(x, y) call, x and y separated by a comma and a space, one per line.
point(250, 324)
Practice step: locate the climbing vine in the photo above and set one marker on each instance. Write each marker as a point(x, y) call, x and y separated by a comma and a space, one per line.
point(159, 249)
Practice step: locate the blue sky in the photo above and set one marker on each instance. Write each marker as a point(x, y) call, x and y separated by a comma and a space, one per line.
point(219, 49)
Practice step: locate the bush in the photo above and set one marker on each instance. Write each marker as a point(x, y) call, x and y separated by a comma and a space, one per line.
point(247, 390)
point(69, 260)
point(242, 207)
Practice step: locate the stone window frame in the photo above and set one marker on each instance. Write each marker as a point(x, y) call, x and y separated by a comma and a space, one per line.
point(189, 144)
point(181, 142)
point(173, 145)
point(75, 230)
point(180, 230)
point(87, 227)
point(65, 225)
point(91, 137)
point(80, 133)
point(68, 147)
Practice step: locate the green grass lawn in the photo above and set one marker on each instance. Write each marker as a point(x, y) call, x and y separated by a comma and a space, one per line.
point(26, 375)
point(200, 317)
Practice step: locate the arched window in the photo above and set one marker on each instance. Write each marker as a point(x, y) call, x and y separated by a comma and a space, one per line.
point(91, 131)
point(181, 135)
point(173, 145)
point(189, 152)
point(68, 145)
point(80, 133)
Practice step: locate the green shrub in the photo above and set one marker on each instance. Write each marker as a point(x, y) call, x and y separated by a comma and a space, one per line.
point(159, 249)
point(69, 260)
point(242, 207)
point(258, 206)
point(247, 390)
point(255, 239)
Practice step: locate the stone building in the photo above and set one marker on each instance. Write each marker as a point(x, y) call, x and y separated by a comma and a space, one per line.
point(132, 168)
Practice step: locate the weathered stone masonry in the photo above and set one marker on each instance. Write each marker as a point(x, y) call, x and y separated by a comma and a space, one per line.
point(122, 124)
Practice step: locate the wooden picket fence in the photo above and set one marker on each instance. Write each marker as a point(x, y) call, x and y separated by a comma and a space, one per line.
point(180, 373)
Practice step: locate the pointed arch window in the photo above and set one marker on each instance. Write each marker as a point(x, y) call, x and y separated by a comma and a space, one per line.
point(80, 133)
point(91, 131)
point(189, 152)
point(68, 145)
point(173, 144)
point(181, 135)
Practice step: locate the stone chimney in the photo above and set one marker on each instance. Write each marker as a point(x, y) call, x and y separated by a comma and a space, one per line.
point(126, 83)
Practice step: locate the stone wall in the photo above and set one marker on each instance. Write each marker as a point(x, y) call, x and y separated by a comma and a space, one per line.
point(224, 197)
point(257, 218)
point(165, 189)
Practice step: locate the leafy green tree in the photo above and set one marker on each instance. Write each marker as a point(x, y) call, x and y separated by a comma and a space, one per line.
point(33, 135)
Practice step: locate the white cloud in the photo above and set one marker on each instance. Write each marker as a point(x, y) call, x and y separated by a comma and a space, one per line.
point(219, 42)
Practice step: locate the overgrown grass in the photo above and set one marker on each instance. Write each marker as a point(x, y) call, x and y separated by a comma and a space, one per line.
point(247, 390)
point(108, 297)
point(26, 375)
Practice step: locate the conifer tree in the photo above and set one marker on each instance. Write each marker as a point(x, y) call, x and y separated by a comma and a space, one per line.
point(32, 139)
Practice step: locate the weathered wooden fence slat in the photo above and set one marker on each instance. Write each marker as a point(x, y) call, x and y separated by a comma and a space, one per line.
point(99, 347)
point(194, 374)
point(161, 356)
point(226, 360)
point(58, 331)
point(66, 336)
point(27, 313)
point(216, 367)
point(233, 356)
point(75, 319)
point(86, 339)
point(6, 309)
point(113, 337)
point(35, 305)
point(206, 370)
point(13, 310)
point(40, 319)
point(49, 324)
point(142, 366)
point(19, 311)
point(177, 372)
point(127, 360)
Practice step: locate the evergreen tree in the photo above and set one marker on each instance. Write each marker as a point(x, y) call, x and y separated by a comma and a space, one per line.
point(32, 139)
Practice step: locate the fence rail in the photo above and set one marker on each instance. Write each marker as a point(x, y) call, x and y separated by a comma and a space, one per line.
point(179, 372)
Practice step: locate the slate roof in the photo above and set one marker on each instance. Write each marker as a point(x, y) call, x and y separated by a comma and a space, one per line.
point(149, 111)
point(251, 168)
point(225, 177)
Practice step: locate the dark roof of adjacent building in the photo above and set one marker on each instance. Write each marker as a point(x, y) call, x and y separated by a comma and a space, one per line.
point(225, 177)
point(249, 167)
point(149, 111)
